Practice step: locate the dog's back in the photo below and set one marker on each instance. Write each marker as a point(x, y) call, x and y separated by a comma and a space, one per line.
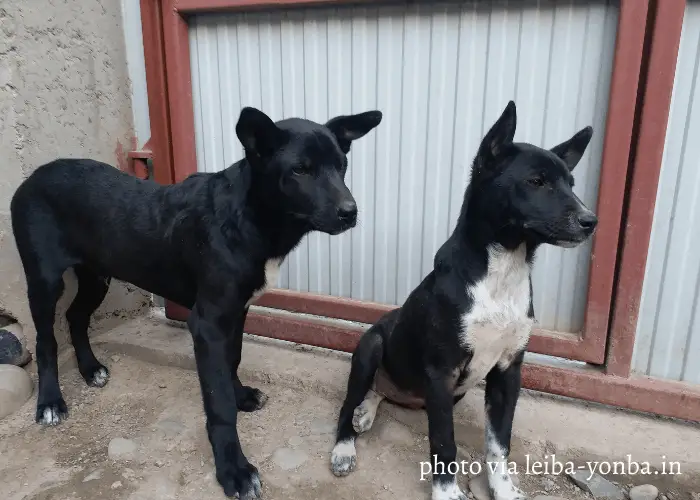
point(85, 211)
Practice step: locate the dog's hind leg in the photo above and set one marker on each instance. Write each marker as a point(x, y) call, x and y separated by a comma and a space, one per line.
point(365, 361)
point(44, 260)
point(92, 289)
point(44, 288)
point(363, 416)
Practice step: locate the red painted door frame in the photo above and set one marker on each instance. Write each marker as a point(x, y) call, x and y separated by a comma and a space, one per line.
point(166, 47)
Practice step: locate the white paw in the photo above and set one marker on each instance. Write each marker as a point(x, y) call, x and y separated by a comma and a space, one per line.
point(447, 491)
point(51, 417)
point(100, 378)
point(502, 488)
point(255, 490)
point(343, 458)
point(362, 419)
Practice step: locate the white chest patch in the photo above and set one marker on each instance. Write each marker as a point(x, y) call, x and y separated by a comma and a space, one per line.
point(497, 326)
point(272, 272)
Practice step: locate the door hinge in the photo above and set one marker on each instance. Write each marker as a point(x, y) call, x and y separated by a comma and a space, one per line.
point(140, 163)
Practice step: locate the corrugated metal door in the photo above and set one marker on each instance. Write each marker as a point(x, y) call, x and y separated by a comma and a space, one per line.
point(668, 330)
point(441, 74)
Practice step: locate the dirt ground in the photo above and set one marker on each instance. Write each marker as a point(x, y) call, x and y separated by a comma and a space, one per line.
point(158, 409)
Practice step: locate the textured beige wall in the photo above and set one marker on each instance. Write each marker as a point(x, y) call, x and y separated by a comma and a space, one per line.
point(64, 92)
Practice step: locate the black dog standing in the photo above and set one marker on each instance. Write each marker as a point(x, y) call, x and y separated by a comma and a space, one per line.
point(209, 243)
point(472, 315)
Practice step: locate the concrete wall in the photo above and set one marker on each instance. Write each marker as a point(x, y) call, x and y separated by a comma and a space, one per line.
point(64, 91)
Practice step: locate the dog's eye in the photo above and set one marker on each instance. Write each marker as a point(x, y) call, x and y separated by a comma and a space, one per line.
point(304, 169)
point(536, 181)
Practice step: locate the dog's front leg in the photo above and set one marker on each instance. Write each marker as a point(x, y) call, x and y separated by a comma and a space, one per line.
point(443, 450)
point(247, 398)
point(502, 391)
point(211, 325)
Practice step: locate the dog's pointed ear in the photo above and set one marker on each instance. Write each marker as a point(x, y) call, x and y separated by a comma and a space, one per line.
point(257, 132)
point(501, 133)
point(348, 128)
point(572, 150)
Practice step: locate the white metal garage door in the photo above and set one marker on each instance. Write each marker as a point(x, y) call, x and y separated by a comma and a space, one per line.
point(441, 74)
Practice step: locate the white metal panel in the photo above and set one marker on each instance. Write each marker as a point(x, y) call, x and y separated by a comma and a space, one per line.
point(441, 74)
point(668, 331)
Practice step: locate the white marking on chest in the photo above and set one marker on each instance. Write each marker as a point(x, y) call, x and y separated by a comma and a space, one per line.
point(272, 272)
point(497, 326)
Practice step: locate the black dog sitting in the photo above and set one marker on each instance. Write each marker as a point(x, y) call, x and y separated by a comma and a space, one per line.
point(209, 243)
point(471, 316)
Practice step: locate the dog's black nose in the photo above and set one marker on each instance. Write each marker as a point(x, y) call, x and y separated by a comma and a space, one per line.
point(347, 210)
point(587, 220)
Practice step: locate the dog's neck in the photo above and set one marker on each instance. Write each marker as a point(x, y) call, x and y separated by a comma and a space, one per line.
point(279, 231)
point(480, 230)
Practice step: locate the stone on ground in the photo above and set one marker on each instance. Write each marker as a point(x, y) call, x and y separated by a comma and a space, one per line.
point(121, 449)
point(596, 485)
point(12, 352)
point(644, 492)
point(15, 388)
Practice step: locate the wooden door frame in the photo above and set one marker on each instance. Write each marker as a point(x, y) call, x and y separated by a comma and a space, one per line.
point(642, 23)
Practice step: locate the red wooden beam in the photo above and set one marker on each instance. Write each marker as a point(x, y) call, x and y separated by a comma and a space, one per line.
point(613, 174)
point(200, 6)
point(158, 109)
point(645, 172)
point(564, 345)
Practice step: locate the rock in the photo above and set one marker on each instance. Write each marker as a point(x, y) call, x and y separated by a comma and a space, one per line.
point(96, 474)
point(547, 497)
point(288, 459)
point(12, 352)
point(295, 441)
point(644, 492)
point(116, 484)
point(596, 485)
point(121, 449)
point(15, 388)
